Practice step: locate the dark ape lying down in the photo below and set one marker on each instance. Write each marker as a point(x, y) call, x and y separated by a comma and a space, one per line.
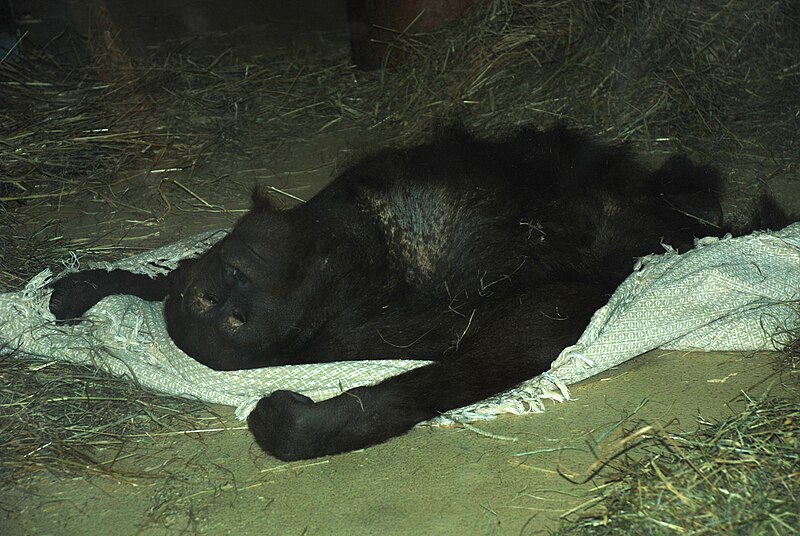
point(487, 257)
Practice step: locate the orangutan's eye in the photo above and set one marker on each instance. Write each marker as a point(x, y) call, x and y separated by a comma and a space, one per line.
point(235, 276)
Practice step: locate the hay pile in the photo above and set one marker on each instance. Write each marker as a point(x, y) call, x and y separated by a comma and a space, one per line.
point(720, 78)
point(72, 419)
point(738, 476)
point(717, 78)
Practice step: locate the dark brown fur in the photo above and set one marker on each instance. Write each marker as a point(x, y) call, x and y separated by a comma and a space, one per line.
point(486, 257)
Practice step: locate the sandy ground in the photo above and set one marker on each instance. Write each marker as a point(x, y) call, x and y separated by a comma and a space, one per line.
point(431, 481)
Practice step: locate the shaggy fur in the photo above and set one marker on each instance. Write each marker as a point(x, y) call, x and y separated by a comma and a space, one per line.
point(485, 256)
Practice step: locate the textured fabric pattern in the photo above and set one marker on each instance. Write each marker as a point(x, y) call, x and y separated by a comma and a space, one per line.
point(728, 294)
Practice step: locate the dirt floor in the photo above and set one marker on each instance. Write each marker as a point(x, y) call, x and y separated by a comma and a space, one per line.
point(514, 475)
point(431, 481)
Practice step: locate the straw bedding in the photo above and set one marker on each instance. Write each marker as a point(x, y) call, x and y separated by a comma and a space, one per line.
point(719, 79)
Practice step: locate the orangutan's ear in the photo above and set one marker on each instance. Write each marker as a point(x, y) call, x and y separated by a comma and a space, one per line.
point(261, 200)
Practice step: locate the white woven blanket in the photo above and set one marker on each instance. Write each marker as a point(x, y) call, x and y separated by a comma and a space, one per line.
point(728, 294)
